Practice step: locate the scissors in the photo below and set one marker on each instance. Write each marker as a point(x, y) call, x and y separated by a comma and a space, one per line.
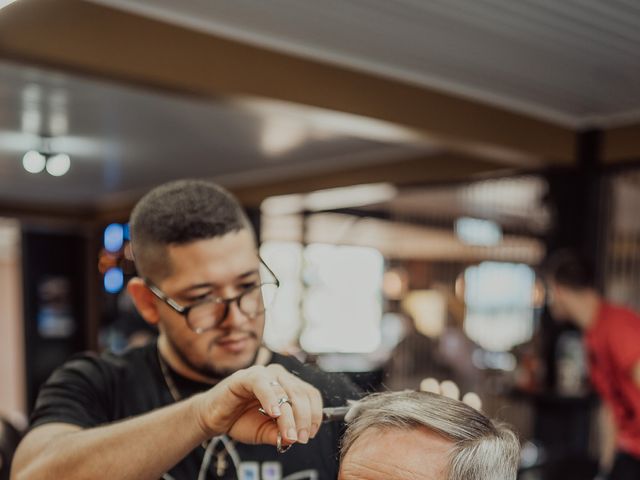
point(329, 414)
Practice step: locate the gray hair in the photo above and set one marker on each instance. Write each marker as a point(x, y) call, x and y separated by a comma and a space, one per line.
point(483, 449)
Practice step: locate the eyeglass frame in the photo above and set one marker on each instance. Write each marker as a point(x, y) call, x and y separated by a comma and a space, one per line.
point(184, 310)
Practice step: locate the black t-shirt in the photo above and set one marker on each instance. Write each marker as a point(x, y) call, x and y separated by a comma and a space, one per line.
point(92, 390)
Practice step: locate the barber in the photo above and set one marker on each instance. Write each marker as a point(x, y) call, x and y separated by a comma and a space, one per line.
point(185, 407)
point(231, 407)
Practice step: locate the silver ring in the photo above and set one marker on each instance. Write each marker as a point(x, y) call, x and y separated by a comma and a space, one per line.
point(281, 401)
point(279, 447)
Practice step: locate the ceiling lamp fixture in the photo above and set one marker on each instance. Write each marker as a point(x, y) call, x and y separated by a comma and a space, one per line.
point(33, 162)
point(55, 164)
point(45, 158)
point(475, 231)
point(330, 199)
point(58, 165)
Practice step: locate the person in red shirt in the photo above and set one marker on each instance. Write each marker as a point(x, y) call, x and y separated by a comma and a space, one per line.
point(612, 340)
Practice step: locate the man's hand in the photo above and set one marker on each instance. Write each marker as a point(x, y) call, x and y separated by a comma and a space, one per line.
point(292, 407)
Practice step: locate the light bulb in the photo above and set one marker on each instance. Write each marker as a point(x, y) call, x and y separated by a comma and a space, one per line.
point(59, 164)
point(33, 162)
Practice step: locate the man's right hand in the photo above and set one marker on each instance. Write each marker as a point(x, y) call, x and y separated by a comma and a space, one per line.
point(231, 407)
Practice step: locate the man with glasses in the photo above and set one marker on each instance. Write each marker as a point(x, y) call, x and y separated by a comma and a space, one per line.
point(152, 412)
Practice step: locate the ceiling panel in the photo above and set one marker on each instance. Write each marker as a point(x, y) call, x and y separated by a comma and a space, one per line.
point(574, 62)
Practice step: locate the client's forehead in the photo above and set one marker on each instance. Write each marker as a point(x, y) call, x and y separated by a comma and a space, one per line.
point(397, 454)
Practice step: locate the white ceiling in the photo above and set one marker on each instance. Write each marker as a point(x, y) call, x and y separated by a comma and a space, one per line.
point(123, 140)
point(574, 62)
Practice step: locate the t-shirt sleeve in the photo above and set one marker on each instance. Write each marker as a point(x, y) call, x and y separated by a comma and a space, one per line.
point(76, 393)
point(625, 341)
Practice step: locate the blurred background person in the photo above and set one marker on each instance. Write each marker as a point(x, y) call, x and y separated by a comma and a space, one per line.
point(612, 338)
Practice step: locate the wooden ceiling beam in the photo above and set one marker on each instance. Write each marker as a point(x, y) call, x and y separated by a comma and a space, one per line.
point(436, 169)
point(621, 145)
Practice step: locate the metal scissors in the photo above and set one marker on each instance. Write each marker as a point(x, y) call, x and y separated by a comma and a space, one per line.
point(329, 414)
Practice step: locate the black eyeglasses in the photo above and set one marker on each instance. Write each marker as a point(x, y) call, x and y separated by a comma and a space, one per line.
point(211, 311)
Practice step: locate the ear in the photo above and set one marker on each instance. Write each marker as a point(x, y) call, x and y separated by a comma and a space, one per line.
point(144, 300)
point(560, 291)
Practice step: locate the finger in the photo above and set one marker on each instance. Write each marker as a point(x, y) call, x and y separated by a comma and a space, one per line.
point(430, 385)
point(266, 396)
point(281, 395)
point(450, 389)
point(287, 425)
point(282, 412)
point(301, 405)
point(316, 411)
point(473, 400)
point(266, 385)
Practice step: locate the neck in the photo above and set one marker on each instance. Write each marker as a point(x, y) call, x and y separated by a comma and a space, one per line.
point(585, 309)
point(178, 365)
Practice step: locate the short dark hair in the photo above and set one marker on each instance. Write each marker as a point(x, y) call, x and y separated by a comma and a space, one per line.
point(177, 213)
point(570, 269)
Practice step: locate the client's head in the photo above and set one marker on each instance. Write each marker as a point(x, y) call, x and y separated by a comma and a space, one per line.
point(422, 436)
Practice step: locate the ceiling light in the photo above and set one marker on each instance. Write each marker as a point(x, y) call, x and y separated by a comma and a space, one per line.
point(330, 199)
point(113, 237)
point(31, 120)
point(113, 280)
point(59, 164)
point(474, 231)
point(280, 136)
point(350, 197)
point(283, 204)
point(428, 308)
point(58, 123)
point(33, 162)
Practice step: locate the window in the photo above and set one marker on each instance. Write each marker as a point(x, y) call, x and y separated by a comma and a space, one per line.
point(331, 297)
point(499, 300)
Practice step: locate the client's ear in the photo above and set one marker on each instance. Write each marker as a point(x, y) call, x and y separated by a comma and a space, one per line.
point(144, 300)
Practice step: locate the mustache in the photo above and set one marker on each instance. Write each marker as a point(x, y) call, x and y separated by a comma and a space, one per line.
point(231, 333)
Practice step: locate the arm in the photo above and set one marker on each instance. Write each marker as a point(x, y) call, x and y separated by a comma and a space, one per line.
point(143, 447)
point(607, 439)
point(147, 446)
point(635, 373)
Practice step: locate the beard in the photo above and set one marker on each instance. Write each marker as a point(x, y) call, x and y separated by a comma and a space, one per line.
point(208, 369)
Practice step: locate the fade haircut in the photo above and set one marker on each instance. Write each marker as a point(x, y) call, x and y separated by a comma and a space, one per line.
point(177, 213)
point(568, 268)
point(483, 449)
